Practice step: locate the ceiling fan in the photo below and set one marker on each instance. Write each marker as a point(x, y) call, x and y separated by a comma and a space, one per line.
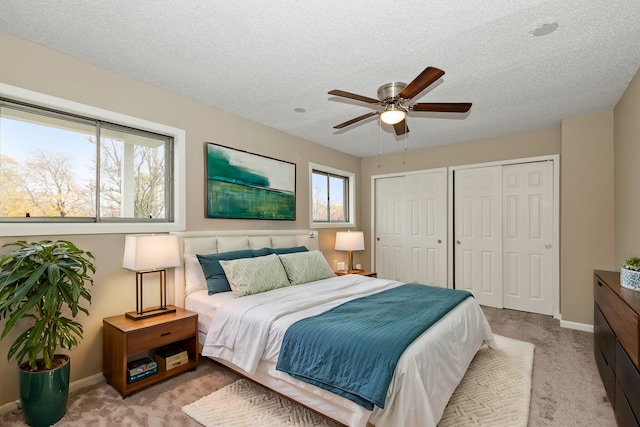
point(396, 99)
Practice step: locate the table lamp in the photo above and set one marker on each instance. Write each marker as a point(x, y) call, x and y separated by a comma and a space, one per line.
point(150, 253)
point(350, 241)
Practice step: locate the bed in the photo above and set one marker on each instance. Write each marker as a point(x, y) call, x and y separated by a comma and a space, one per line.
point(231, 332)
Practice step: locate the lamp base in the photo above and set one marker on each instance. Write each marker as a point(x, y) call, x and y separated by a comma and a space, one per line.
point(150, 312)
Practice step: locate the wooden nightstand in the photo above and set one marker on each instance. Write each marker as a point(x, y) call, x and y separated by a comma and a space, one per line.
point(124, 339)
point(362, 273)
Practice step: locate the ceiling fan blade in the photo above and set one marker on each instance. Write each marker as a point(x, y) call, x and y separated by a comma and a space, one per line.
point(350, 95)
point(357, 119)
point(420, 83)
point(401, 128)
point(442, 107)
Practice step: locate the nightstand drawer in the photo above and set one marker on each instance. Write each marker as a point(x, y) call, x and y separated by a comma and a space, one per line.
point(157, 336)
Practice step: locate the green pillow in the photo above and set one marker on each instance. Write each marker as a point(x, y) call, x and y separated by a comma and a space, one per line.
point(254, 275)
point(304, 267)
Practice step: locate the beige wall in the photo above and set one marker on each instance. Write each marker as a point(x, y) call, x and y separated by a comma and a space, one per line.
point(627, 173)
point(586, 211)
point(36, 68)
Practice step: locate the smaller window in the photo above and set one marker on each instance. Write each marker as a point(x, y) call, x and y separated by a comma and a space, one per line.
point(332, 195)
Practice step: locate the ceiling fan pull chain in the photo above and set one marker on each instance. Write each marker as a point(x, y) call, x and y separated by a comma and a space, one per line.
point(379, 136)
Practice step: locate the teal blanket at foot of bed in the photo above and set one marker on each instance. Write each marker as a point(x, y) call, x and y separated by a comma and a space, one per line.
point(353, 349)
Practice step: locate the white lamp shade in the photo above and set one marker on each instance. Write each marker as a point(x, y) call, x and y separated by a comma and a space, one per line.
point(147, 252)
point(349, 241)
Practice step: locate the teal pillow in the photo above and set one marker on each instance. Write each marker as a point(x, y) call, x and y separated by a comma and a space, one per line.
point(261, 252)
point(278, 251)
point(295, 249)
point(213, 272)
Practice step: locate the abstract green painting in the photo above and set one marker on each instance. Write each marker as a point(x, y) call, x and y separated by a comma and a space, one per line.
point(249, 186)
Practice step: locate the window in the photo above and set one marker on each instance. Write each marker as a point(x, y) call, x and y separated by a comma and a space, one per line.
point(332, 195)
point(60, 169)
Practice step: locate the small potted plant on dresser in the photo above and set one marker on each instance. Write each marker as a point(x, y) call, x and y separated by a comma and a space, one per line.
point(630, 274)
point(40, 282)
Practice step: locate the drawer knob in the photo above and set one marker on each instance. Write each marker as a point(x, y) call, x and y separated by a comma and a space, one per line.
point(165, 334)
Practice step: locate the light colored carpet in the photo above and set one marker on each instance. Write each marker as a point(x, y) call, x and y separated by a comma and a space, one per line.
point(495, 391)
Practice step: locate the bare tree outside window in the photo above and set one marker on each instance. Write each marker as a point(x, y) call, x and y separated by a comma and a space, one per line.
point(49, 168)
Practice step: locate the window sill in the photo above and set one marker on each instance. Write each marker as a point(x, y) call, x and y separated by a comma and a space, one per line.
point(332, 225)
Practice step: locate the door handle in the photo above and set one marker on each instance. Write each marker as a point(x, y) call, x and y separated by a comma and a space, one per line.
point(439, 241)
point(378, 239)
point(548, 246)
point(458, 242)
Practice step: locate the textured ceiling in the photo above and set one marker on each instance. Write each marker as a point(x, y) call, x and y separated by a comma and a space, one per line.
point(264, 59)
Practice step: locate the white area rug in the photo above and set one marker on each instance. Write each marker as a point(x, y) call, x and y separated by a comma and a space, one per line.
point(495, 391)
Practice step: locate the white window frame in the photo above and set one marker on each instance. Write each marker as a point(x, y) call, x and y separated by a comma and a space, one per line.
point(179, 186)
point(351, 199)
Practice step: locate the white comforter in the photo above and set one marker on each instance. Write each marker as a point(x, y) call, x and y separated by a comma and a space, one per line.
point(246, 330)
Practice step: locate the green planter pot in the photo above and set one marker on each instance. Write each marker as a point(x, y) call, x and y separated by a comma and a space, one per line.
point(44, 394)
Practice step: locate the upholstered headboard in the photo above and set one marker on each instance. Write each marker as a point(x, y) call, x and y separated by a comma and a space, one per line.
point(206, 242)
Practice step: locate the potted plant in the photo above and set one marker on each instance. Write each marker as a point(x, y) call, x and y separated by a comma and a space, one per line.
point(630, 274)
point(41, 283)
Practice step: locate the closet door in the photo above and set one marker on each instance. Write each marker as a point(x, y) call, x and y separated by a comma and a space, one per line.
point(503, 234)
point(390, 227)
point(528, 237)
point(478, 233)
point(411, 228)
point(425, 259)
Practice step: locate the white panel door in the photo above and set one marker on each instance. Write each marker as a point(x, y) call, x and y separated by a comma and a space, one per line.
point(528, 237)
point(411, 228)
point(425, 248)
point(478, 233)
point(390, 227)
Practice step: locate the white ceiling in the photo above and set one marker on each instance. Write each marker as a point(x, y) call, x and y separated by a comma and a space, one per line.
point(263, 59)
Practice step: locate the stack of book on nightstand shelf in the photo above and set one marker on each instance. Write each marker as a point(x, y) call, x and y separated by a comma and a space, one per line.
point(171, 357)
point(141, 368)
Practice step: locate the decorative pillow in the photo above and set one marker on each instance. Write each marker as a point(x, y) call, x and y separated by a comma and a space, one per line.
point(194, 279)
point(261, 252)
point(295, 249)
point(254, 275)
point(213, 272)
point(304, 267)
point(278, 251)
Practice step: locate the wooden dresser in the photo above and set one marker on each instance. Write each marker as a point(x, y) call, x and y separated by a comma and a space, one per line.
point(616, 344)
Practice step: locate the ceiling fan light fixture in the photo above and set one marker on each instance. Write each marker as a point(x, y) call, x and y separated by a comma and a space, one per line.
point(392, 114)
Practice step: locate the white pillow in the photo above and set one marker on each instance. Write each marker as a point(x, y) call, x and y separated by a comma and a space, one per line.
point(249, 276)
point(305, 267)
point(194, 279)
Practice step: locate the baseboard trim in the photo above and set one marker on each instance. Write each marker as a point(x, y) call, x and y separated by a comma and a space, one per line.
point(575, 325)
point(75, 385)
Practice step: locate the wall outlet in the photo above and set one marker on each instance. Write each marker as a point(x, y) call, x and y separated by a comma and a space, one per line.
point(341, 266)
point(358, 266)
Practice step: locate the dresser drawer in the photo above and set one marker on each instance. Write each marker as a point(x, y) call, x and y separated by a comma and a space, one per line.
point(622, 319)
point(629, 379)
point(604, 338)
point(607, 374)
point(157, 336)
point(622, 410)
